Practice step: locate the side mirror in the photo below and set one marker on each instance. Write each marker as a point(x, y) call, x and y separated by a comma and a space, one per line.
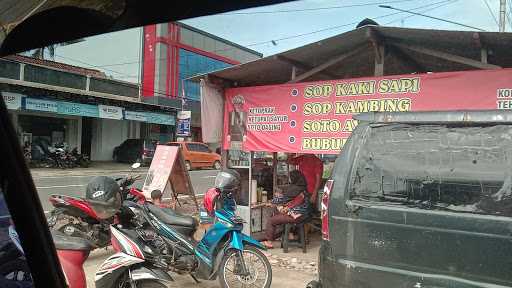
point(135, 165)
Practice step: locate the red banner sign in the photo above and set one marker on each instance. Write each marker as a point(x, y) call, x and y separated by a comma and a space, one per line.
point(316, 117)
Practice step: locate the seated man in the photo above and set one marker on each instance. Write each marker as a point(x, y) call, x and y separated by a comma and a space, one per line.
point(292, 205)
point(156, 199)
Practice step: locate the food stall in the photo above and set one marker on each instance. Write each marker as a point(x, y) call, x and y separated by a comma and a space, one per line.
point(263, 125)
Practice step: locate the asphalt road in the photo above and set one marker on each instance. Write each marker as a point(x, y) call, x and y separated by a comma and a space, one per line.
point(74, 185)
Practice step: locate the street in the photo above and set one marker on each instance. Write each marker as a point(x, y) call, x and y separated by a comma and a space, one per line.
point(74, 185)
point(291, 269)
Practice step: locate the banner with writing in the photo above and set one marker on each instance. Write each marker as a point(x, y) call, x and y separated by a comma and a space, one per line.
point(316, 117)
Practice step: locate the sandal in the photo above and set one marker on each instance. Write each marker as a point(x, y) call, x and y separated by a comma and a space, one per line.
point(267, 244)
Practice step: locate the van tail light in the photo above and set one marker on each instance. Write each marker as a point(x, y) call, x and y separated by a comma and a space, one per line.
point(325, 209)
point(146, 152)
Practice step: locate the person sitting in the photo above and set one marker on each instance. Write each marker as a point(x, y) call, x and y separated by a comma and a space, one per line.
point(292, 205)
point(156, 199)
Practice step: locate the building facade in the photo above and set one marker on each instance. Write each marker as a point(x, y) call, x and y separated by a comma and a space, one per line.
point(53, 102)
point(174, 52)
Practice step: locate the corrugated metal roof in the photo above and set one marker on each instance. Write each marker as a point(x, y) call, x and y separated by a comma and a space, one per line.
point(276, 69)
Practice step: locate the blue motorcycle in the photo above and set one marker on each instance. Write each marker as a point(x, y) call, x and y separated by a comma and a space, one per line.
point(157, 241)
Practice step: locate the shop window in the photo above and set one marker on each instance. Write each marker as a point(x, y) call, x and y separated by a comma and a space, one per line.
point(458, 169)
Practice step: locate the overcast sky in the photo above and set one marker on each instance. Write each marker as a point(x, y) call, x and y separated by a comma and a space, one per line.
point(118, 54)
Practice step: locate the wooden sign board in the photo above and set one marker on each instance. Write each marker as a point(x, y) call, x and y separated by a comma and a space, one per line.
point(168, 174)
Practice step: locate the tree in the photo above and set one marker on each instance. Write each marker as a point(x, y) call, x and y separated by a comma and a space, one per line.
point(39, 52)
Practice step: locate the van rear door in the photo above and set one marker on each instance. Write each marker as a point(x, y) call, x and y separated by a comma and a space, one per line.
point(428, 206)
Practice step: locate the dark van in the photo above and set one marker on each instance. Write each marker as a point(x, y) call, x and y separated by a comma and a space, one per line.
point(420, 199)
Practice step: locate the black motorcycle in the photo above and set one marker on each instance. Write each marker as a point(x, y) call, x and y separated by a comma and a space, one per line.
point(81, 160)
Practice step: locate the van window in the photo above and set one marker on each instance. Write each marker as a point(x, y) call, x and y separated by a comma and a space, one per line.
point(437, 167)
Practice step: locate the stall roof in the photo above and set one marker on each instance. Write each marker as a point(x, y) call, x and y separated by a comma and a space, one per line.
point(353, 54)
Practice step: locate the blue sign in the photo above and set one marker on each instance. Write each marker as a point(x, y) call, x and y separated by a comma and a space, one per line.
point(134, 115)
point(69, 108)
point(159, 118)
point(183, 128)
point(41, 105)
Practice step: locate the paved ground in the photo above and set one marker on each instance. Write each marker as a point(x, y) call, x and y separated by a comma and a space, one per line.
point(293, 269)
point(73, 181)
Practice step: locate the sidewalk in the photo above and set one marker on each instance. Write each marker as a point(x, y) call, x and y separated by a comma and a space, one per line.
point(96, 168)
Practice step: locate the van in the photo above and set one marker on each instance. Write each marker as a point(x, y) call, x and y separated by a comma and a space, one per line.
point(420, 199)
point(198, 155)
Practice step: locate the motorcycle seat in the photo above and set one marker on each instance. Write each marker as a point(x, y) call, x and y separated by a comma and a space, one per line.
point(170, 217)
point(65, 242)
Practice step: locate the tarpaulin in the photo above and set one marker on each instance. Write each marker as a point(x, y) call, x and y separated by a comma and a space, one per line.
point(211, 112)
point(316, 117)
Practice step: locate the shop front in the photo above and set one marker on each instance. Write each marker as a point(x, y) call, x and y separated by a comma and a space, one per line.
point(94, 129)
point(264, 126)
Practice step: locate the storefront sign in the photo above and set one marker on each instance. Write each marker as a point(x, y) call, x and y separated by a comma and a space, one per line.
point(41, 105)
point(69, 108)
point(110, 112)
point(160, 118)
point(12, 100)
point(136, 116)
point(168, 174)
point(183, 127)
point(316, 117)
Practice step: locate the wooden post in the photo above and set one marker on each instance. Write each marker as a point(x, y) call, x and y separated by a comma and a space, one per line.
point(379, 60)
point(274, 172)
point(483, 55)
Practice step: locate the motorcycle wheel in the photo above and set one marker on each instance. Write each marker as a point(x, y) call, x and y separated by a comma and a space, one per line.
point(16, 270)
point(84, 163)
point(260, 271)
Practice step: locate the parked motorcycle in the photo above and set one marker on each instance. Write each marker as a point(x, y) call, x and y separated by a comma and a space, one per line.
point(159, 241)
point(91, 217)
point(81, 160)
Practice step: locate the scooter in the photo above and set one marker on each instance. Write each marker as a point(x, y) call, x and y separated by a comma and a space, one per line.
point(154, 246)
point(77, 217)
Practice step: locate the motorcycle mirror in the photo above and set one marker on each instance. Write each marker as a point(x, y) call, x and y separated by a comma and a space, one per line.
point(135, 165)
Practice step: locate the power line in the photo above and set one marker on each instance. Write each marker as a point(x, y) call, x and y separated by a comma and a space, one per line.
point(423, 11)
point(314, 9)
point(292, 36)
point(432, 17)
point(257, 43)
point(491, 12)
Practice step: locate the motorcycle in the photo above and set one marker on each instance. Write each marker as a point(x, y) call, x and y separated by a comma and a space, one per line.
point(85, 218)
point(159, 241)
point(79, 159)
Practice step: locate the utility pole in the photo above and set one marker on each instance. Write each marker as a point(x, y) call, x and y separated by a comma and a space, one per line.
point(503, 10)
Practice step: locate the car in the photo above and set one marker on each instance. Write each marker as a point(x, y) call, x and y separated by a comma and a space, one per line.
point(135, 150)
point(420, 199)
point(198, 155)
